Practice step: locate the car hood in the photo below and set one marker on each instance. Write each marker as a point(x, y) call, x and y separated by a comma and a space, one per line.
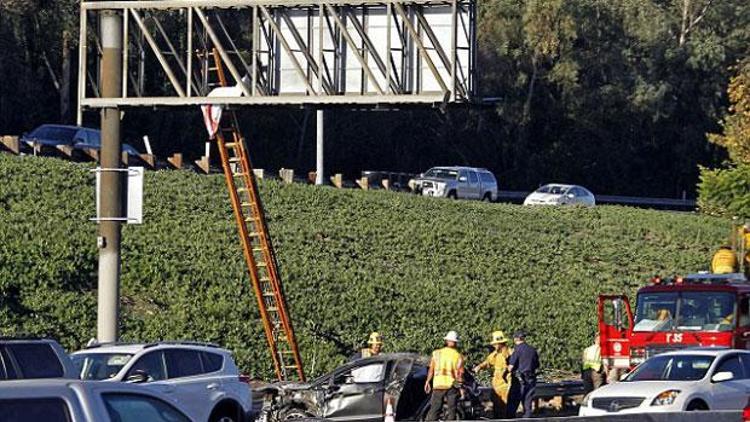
point(433, 179)
point(640, 388)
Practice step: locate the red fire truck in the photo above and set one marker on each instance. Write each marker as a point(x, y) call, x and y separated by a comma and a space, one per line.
point(675, 313)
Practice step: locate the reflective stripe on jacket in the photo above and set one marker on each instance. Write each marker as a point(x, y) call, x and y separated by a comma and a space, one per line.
point(592, 358)
point(447, 365)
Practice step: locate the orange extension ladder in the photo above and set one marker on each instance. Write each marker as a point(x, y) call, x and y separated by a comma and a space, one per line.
point(256, 242)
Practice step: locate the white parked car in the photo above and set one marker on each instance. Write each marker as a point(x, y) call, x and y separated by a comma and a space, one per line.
point(65, 400)
point(555, 194)
point(202, 378)
point(690, 379)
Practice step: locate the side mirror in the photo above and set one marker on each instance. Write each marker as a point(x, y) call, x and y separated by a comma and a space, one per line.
point(137, 377)
point(722, 376)
point(462, 179)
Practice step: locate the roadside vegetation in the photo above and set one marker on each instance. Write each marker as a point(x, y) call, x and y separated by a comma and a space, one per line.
point(352, 262)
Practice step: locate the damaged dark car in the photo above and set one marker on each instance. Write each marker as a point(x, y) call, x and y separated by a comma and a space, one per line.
point(360, 390)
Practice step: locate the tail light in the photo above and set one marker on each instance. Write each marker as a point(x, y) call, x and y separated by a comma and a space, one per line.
point(746, 412)
point(244, 378)
point(656, 280)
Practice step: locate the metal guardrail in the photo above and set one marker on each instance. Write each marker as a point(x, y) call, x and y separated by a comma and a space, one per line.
point(666, 203)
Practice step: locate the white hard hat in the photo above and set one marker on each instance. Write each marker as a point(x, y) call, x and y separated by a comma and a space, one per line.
point(451, 336)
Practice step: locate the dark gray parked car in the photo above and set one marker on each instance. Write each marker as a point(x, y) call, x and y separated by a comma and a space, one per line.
point(28, 358)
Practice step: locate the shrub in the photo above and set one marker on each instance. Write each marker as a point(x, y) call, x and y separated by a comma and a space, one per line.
point(351, 261)
point(725, 191)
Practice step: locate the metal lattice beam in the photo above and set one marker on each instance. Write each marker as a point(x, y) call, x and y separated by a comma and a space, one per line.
point(293, 52)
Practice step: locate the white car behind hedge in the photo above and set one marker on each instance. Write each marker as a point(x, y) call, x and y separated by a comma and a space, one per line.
point(691, 379)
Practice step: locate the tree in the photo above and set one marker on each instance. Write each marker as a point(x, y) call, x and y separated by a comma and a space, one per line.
point(735, 136)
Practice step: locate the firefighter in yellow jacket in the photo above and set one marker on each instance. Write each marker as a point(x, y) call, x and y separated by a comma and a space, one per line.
point(498, 360)
point(444, 379)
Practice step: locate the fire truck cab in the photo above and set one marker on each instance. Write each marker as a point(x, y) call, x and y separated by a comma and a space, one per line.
point(697, 310)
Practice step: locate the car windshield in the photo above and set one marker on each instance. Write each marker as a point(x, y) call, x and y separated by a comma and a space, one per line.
point(672, 368)
point(685, 311)
point(99, 366)
point(553, 189)
point(440, 173)
point(56, 133)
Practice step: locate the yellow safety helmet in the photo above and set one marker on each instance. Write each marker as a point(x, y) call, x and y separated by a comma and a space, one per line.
point(375, 338)
point(498, 337)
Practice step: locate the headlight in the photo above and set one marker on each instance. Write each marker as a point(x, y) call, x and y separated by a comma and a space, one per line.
point(666, 398)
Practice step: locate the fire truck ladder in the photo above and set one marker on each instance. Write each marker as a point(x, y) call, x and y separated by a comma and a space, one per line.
point(256, 243)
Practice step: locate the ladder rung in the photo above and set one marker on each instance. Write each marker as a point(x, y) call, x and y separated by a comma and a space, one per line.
point(234, 159)
point(257, 249)
point(253, 234)
point(290, 367)
point(231, 144)
point(261, 264)
point(272, 309)
point(269, 294)
point(247, 204)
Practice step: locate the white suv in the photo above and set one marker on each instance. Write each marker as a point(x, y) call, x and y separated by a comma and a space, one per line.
point(200, 377)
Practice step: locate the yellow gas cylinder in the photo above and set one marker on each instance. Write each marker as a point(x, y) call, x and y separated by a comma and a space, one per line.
point(724, 261)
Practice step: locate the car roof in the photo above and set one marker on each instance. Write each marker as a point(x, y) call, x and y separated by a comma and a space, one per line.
point(133, 348)
point(456, 168)
point(704, 351)
point(65, 127)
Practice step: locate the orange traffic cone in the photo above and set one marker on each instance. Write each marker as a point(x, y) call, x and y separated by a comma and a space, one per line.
point(389, 415)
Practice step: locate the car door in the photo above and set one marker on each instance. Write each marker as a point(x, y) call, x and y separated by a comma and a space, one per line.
point(475, 187)
point(192, 390)
point(356, 394)
point(731, 394)
point(462, 184)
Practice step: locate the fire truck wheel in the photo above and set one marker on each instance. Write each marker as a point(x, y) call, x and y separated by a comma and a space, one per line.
point(697, 405)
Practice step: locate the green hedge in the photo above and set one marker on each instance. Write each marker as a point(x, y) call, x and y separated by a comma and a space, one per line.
point(725, 191)
point(352, 262)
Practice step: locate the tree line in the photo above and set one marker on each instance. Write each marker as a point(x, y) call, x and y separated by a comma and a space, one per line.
point(616, 95)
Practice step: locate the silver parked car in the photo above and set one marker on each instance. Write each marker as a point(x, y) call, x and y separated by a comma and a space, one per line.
point(201, 377)
point(456, 183)
point(556, 194)
point(29, 358)
point(65, 400)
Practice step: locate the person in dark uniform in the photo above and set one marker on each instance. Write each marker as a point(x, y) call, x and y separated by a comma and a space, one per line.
point(523, 365)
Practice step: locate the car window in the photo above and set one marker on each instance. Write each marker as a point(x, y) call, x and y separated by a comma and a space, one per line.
point(473, 179)
point(36, 360)
point(100, 366)
point(151, 365)
point(212, 362)
point(367, 374)
point(183, 363)
point(7, 371)
point(94, 137)
point(731, 364)
point(52, 409)
point(486, 177)
point(744, 312)
point(56, 133)
point(139, 408)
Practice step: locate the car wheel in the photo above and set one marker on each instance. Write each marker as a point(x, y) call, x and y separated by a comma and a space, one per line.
point(224, 418)
point(487, 197)
point(452, 195)
point(697, 405)
point(294, 414)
